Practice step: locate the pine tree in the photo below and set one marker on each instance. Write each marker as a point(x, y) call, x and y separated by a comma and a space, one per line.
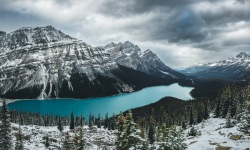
point(183, 125)
point(151, 132)
point(90, 121)
point(145, 145)
point(128, 133)
point(218, 108)
point(5, 128)
point(229, 123)
point(206, 113)
point(120, 124)
point(79, 142)
point(60, 127)
point(106, 121)
point(192, 132)
point(174, 140)
point(245, 126)
point(226, 97)
point(99, 121)
point(19, 140)
point(191, 117)
point(82, 143)
point(72, 121)
point(199, 116)
point(81, 121)
point(47, 142)
point(67, 142)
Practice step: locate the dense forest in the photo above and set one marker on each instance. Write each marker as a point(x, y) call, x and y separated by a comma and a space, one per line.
point(147, 127)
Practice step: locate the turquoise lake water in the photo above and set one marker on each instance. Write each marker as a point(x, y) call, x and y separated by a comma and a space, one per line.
point(111, 104)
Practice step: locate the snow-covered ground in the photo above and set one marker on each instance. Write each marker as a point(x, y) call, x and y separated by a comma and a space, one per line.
point(213, 134)
point(34, 137)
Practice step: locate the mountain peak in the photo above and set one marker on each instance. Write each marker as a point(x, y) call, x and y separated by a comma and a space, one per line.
point(2, 33)
point(242, 55)
point(34, 35)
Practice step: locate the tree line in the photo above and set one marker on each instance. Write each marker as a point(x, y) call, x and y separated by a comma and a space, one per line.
point(148, 127)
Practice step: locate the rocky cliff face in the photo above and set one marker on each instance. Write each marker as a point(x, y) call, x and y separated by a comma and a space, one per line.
point(43, 62)
point(130, 55)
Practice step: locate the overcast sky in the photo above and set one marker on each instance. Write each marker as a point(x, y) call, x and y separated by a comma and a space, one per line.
point(181, 32)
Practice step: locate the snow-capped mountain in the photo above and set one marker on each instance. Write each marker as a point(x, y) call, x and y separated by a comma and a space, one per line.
point(130, 55)
point(44, 62)
point(236, 68)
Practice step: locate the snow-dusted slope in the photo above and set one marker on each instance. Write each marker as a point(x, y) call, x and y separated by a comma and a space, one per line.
point(130, 55)
point(44, 62)
point(213, 134)
point(236, 68)
point(95, 138)
point(44, 58)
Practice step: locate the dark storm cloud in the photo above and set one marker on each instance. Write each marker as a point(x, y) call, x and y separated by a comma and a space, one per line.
point(174, 21)
point(13, 20)
point(181, 25)
point(187, 30)
point(179, 21)
point(135, 7)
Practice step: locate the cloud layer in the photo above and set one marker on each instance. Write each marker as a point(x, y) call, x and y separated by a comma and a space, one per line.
point(181, 32)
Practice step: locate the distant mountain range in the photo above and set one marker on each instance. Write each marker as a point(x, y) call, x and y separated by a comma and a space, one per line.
point(236, 68)
point(43, 62)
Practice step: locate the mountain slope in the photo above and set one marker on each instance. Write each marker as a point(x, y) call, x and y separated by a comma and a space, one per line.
point(130, 55)
point(43, 62)
point(236, 68)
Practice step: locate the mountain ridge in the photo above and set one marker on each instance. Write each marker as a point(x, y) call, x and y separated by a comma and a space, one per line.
point(43, 62)
point(235, 68)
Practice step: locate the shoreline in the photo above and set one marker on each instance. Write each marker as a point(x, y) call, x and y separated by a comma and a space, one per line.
point(119, 94)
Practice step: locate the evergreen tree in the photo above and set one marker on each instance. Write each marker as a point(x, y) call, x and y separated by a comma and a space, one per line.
point(206, 113)
point(99, 121)
point(82, 143)
point(199, 116)
point(225, 97)
point(19, 140)
point(191, 117)
point(151, 132)
point(81, 121)
point(120, 124)
point(72, 121)
point(128, 133)
point(106, 121)
point(47, 142)
point(245, 127)
point(132, 132)
point(229, 123)
point(217, 109)
point(79, 141)
point(60, 127)
point(245, 119)
point(67, 142)
point(5, 128)
point(90, 121)
point(192, 132)
point(158, 133)
point(173, 141)
point(145, 145)
point(183, 125)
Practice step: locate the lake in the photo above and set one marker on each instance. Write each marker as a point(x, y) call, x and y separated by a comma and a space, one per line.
point(110, 104)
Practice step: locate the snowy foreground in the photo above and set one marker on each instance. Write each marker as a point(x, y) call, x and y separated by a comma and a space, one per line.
point(34, 137)
point(213, 135)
